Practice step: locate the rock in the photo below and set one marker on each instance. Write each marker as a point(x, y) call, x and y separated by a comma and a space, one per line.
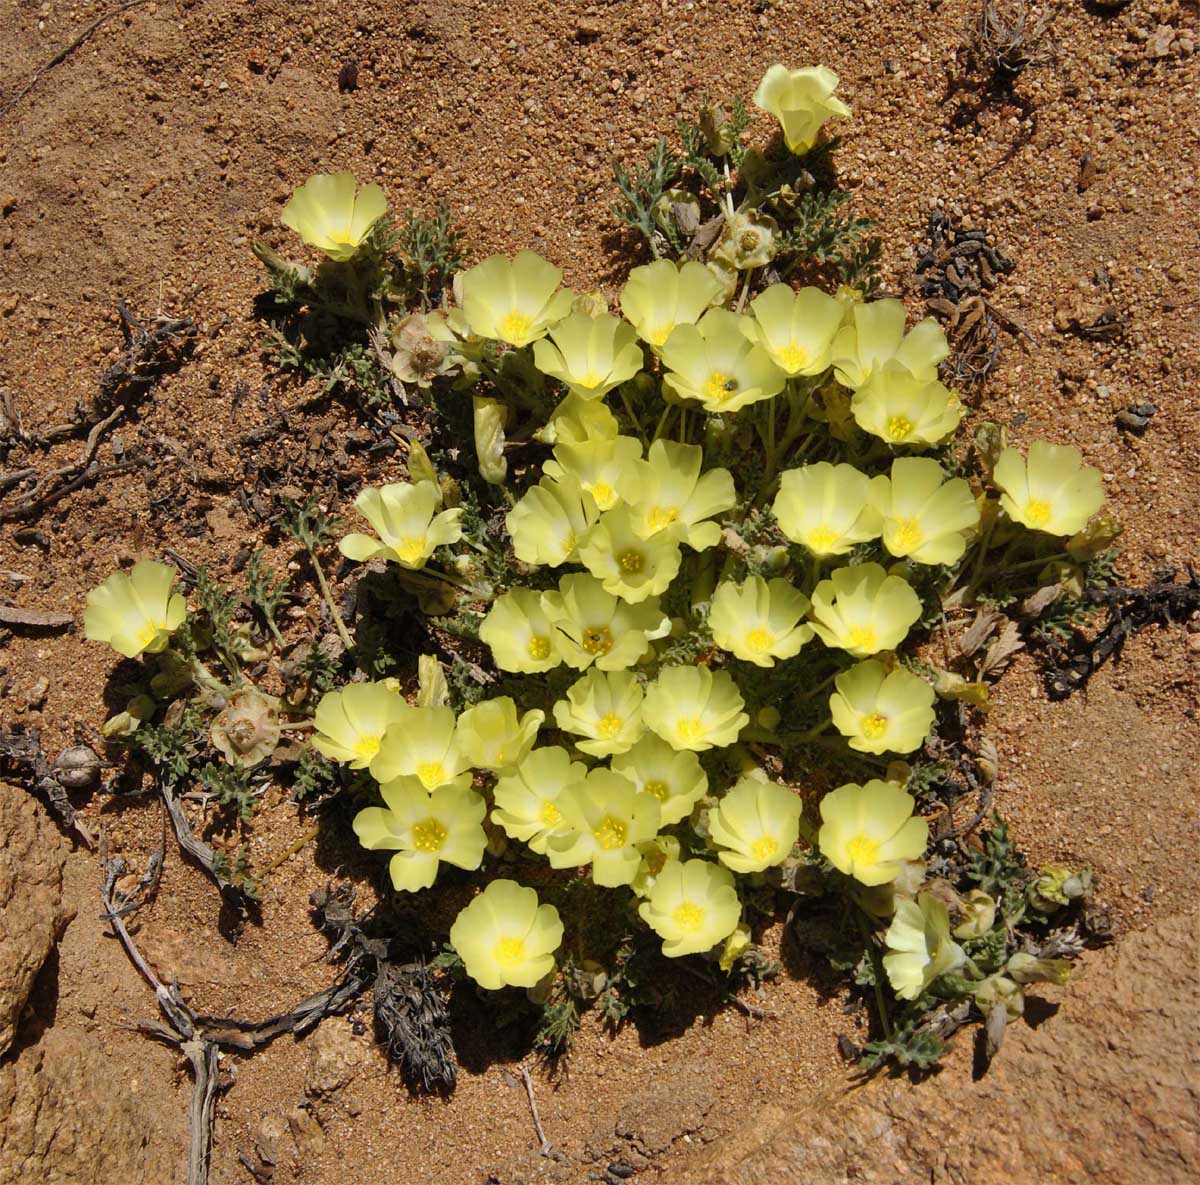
point(32, 855)
point(335, 1055)
point(273, 1139)
point(68, 1116)
point(306, 1132)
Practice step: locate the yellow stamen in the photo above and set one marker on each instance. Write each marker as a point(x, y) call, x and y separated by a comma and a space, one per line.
point(874, 726)
point(899, 427)
point(611, 833)
point(863, 637)
point(550, 815)
point(429, 835)
point(719, 387)
point(597, 639)
point(764, 848)
point(793, 357)
point(508, 952)
point(660, 790)
point(539, 648)
point(146, 634)
point(908, 534)
point(1037, 512)
point(411, 548)
point(515, 328)
point(431, 773)
point(658, 337)
point(610, 725)
point(689, 729)
point(661, 516)
point(632, 562)
point(821, 539)
point(602, 494)
point(863, 850)
point(759, 641)
point(688, 917)
point(367, 746)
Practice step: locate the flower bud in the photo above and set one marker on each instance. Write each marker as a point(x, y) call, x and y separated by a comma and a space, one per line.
point(420, 467)
point(999, 989)
point(735, 945)
point(978, 911)
point(1025, 968)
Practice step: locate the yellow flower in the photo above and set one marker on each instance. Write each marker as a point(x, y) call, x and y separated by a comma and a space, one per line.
point(695, 708)
point(759, 621)
point(403, 516)
point(505, 938)
point(756, 824)
point(667, 492)
point(514, 301)
point(604, 707)
point(424, 830)
point(659, 296)
point(576, 421)
point(795, 328)
point(519, 633)
point(605, 818)
point(423, 744)
point(135, 612)
point(874, 335)
point(901, 409)
point(350, 723)
point(598, 465)
point(493, 737)
point(920, 948)
point(594, 626)
point(863, 610)
point(327, 214)
point(802, 101)
point(656, 854)
point(527, 804)
point(589, 355)
point(924, 516)
point(691, 906)
point(676, 778)
point(490, 417)
point(629, 566)
point(715, 364)
point(827, 508)
point(550, 520)
point(881, 712)
point(1053, 491)
point(869, 832)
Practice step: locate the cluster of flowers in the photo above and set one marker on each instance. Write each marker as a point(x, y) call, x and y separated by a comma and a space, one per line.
point(622, 514)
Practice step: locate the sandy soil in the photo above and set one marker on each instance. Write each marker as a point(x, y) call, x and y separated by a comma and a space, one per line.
point(142, 166)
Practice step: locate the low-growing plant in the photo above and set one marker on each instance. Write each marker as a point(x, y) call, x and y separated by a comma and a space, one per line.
point(683, 581)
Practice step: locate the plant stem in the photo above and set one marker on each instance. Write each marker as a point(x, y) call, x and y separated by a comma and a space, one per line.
point(637, 424)
point(327, 593)
point(662, 422)
point(877, 964)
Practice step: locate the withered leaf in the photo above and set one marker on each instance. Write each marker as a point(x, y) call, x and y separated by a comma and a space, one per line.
point(43, 619)
point(1000, 652)
point(978, 632)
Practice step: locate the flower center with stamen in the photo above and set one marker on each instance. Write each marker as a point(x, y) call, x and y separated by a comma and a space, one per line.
point(764, 848)
point(610, 833)
point(431, 773)
point(689, 729)
point(863, 637)
point(610, 725)
point(602, 494)
point(550, 815)
point(658, 337)
point(874, 726)
point(1037, 512)
point(793, 357)
point(631, 562)
point(688, 917)
point(660, 790)
point(367, 746)
point(899, 427)
point(863, 850)
point(515, 328)
point(759, 641)
point(343, 236)
point(592, 379)
point(411, 548)
point(661, 516)
point(146, 634)
point(569, 542)
point(597, 639)
point(429, 835)
point(908, 534)
point(821, 539)
point(539, 648)
point(719, 387)
point(508, 952)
